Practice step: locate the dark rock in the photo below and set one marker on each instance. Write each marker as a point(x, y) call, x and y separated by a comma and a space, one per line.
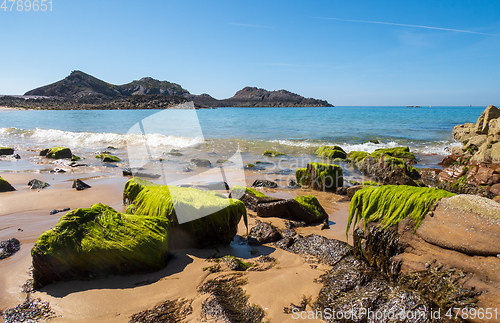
point(200, 162)
point(352, 190)
point(9, 247)
point(264, 183)
point(251, 197)
point(16, 156)
point(31, 310)
point(57, 170)
point(389, 170)
point(327, 251)
point(80, 185)
point(294, 224)
point(52, 212)
point(5, 186)
point(57, 153)
point(262, 233)
point(36, 184)
point(285, 243)
point(325, 225)
point(136, 172)
point(430, 176)
point(4, 151)
point(376, 142)
point(292, 184)
point(341, 190)
point(291, 209)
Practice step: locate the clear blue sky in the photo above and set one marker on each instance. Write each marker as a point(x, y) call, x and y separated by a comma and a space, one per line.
point(218, 47)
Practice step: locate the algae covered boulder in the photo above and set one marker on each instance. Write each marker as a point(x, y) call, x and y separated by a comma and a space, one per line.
point(56, 152)
point(389, 170)
point(331, 152)
point(5, 186)
point(390, 204)
point(398, 152)
point(4, 151)
point(302, 208)
point(108, 158)
point(320, 176)
point(273, 153)
point(207, 216)
point(251, 197)
point(99, 241)
point(356, 157)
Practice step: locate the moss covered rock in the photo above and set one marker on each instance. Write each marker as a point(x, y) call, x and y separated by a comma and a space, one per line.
point(209, 217)
point(389, 170)
point(398, 152)
point(6, 151)
point(99, 241)
point(331, 152)
point(108, 158)
point(56, 152)
point(356, 156)
point(320, 176)
point(302, 208)
point(273, 153)
point(5, 186)
point(250, 197)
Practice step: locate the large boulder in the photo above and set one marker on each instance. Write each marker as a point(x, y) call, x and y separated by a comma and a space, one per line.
point(482, 124)
point(389, 170)
point(450, 254)
point(302, 208)
point(56, 152)
point(99, 241)
point(251, 197)
point(320, 176)
point(463, 132)
point(6, 151)
point(207, 216)
point(5, 186)
point(397, 152)
point(331, 152)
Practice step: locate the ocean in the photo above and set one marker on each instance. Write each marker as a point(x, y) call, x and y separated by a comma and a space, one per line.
point(219, 133)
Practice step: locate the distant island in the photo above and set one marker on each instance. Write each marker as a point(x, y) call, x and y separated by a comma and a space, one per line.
point(83, 91)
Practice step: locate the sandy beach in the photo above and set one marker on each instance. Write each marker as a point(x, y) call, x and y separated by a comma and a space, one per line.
point(25, 215)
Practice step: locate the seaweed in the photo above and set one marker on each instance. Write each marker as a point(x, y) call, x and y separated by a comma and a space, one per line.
point(273, 153)
point(108, 158)
point(320, 176)
point(331, 152)
point(311, 203)
point(356, 156)
point(391, 204)
point(169, 311)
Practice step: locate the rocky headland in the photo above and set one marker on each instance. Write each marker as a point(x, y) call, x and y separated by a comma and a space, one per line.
point(83, 91)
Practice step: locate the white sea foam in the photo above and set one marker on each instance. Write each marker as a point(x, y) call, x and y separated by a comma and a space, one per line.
point(92, 140)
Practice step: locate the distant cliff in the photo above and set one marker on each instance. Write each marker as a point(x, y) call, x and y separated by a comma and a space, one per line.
point(83, 91)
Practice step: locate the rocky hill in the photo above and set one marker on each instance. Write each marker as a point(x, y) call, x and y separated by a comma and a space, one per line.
point(83, 91)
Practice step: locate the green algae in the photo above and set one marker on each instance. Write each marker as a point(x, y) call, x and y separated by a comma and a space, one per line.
point(273, 153)
point(5, 186)
point(331, 152)
point(398, 152)
point(357, 156)
point(6, 151)
point(320, 176)
point(395, 162)
point(75, 158)
point(108, 158)
point(392, 203)
point(250, 165)
point(99, 241)
point(57, 153)
point(209, 216)
point(311, 203)
point(238, 190)
point(370, 183)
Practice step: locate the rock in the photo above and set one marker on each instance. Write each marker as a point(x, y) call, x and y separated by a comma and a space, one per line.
point(108, 158)
point(397, 152)
point(302, 208)
point(80, 185)
point(389, 170)
point(452, 173)
point(320, 176)
point(36, 184)
point(475, 142)
point(207, 216)
point(272, 153)
point(466, 223)
point(57, 170)
point(216, 186)
point(376, 142)
point(6, 151)
point(250, 197)
point(9, 247)
point(200, 162)
point(448, 160)
point(331, 152)
point(5, 186)
point(264, 183)
point(292, 184)
point(16, 156)
point(464, 132)
point(356, 157)
point(355, 290)
point(341, 190)
point(430, 176)
point(52, 212)
point(325, 225)
point(56, 153)
point(352, 190)
point(97, 242)
point(262, 233)
point(175, 152)
point(482, 124)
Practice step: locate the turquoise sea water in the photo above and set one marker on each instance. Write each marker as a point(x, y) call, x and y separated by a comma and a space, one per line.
point(425, 129)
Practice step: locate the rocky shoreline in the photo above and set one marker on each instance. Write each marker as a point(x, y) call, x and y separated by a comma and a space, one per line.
point(425, 242)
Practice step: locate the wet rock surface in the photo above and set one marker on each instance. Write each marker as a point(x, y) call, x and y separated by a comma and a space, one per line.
point(80, 185)
point(263, 232)
point(36, 184)
point(264, 183)
point(9, 247)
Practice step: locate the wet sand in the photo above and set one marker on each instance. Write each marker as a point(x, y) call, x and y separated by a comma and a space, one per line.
point(115, 299)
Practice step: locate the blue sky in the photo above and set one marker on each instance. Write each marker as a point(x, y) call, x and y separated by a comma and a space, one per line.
point(371, 53)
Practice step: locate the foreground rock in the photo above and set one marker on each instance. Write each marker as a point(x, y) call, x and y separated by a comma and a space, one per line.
point(80, 185)
point(262, 233)
point(331, 152)
point(36, 184)
point(57, 153)
point(302, 208)
point(447, 252)
point(5, 186)
point(5, 151)
point(99, 241)
point(9, 247)
point(208, 217)
point(320, 176)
